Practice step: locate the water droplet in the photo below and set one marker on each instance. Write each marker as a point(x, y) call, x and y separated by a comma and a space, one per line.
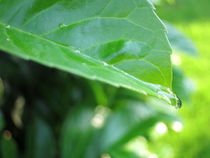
point(170, 97)
point(8, 26)
point(77, 51)
point(8, 39)
point(94, 77)
point(105, 64)
point(62, 25)
point(49, 64)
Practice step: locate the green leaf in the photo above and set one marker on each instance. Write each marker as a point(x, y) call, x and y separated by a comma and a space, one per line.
point(40, 142)
point(8, 147)
point(179, 42)
point(130, 119)
point(127, 120)
point(122, 43)
point(99, 93)
point(90, 133)
point(1, 89)
point(76, 134)
point(2, 122)
point(123, 154)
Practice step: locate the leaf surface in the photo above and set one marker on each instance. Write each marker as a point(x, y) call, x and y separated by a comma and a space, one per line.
point(122, 43)
point(8, 147)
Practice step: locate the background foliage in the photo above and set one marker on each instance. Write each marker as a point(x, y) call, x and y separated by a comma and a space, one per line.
point(49, 113)
point(192, 19)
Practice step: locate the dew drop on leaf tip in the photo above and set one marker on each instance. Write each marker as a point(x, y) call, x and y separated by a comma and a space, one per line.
point(173, 99)
point(176, 102)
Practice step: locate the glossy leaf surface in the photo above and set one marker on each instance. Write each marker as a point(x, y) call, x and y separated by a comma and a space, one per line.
point(96, 39)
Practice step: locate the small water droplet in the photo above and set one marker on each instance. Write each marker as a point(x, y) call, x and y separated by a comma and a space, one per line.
point(62, 25)
point(93, 77)
point(105, 64)
point(8, 39)
point(77, 51)
point(49, 64)
point(168, 95)
point(8, 26)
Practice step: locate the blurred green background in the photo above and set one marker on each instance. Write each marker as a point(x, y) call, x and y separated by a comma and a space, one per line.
point(192, 17)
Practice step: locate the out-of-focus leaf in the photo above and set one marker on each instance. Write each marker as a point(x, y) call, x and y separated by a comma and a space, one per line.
point(123, 154)
point(40, 142)
point(99, 93)
point(8, 147)
point(128, 120)
point(179, 42)
point(182, 86)
point(76, 133)
point(1, 121)
point(122, 43)
point(1, 88)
